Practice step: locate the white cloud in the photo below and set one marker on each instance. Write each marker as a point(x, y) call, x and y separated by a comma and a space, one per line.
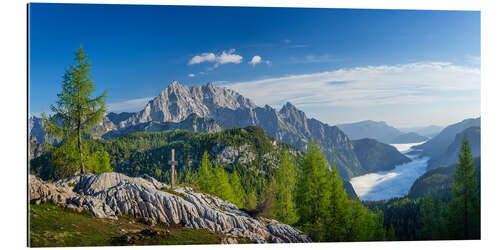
point(223, 58)
point(204, 57)
point(191, 75)
point(229, 57)
point(287, 41)
point(129, 105)
point(256, 60)
point(415, 83)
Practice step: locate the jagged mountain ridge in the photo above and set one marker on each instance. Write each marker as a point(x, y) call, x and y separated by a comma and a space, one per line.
point(219, 106)
point(177, 102)
point(230, 109)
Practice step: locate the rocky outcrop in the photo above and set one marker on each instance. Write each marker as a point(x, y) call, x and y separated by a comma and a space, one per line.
point(109, 195)
point(232, 155)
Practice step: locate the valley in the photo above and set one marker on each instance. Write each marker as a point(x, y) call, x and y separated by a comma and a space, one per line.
point(385, 185)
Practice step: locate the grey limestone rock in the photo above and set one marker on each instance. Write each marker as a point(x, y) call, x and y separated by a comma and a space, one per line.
point(109, 195)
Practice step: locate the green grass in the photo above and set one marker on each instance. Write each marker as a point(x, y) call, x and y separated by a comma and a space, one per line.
point(54, 226)
point(169, 190)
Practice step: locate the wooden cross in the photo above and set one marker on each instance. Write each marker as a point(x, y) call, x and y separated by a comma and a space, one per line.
point(172, 163)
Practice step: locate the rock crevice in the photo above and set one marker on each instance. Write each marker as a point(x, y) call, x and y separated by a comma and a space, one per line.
point(109, 195)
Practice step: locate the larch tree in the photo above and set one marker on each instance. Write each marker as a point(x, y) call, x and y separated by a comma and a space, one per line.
point(206, 175)
point(239, 193)
point(338, 207)
point(222, 188)
point(313, 193)
point(76, 112)
point(286, 178)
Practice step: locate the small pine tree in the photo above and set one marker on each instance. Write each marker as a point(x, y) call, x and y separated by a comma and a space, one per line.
point(428, 219)
point(99, 162)
point(206, 175)
point(222, 188)
point(285, 210)
point(239, 193)
point(464, 209)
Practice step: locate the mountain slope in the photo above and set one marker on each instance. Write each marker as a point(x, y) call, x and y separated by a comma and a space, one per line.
point(248, 150)
point(450, 156)
point(36, 132)
point(438, 180)
point(191, 123)
point(437, 146)
point(375, 156)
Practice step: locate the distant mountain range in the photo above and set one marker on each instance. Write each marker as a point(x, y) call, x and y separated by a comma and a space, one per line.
point(442, 149)
point(209, 108)
point(379, 131)
point(428, 131)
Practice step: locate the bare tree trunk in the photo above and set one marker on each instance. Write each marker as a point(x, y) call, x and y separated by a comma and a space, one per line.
point(80, 146)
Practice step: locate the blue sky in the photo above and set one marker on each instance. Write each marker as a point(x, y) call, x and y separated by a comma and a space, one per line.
point(409, 68)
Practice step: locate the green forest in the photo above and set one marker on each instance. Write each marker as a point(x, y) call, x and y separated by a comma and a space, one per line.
point(267, 178)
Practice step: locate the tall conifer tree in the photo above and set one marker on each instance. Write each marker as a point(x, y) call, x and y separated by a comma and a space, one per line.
point(464, 209)
point(76, 110)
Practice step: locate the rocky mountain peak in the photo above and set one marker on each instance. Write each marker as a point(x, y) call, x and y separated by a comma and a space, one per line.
point(211, 85)
point(293, 115)
point(289, 108)
point(174, 84)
